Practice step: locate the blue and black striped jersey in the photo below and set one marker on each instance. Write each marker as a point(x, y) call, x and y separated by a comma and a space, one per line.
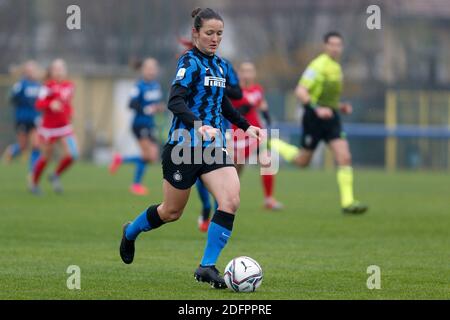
point(143, 95)
point(205, 78)
point(233, 90)
point(232, 78)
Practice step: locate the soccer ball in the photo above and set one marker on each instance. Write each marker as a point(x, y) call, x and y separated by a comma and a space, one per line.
point(243, 274)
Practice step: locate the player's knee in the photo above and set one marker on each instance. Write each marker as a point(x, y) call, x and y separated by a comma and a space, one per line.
point(74, 156)
point(22, 146)
point(45, 156)
point(151, 158)
point(231, 203)
point(173, 217)
point(73, 150)
point(171, 214)
point(345, 159)
point(304, 164)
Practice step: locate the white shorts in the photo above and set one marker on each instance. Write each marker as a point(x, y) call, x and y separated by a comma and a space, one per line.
point(53, 134)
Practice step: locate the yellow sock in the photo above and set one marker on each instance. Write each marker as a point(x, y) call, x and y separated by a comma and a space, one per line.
point(286, 150)
point(345, 182)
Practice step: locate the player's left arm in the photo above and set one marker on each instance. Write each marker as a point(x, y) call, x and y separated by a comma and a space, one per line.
point(233, 115)
point(69, 98)
point(44, 99)
point(134, 98)
point(67, 94)
point(233, 89)
point(15, 93)
point(233, 92)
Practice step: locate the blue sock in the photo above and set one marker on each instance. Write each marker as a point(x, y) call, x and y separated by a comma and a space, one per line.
point(132, 159)
point(203, 194)
point(34, 156)
point(139, 225)
point(146, 221)
point(139, 172)
point(15, 150)
point(218, 233)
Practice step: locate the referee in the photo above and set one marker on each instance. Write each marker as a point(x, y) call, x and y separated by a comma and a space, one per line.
point(319, 89)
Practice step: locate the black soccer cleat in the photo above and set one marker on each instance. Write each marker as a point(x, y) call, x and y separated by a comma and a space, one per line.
point(355, 208)
point(210, 275)
point(126, 247)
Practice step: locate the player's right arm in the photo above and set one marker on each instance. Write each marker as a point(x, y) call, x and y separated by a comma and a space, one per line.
point(312, 81)
point(302, 94)
point(44, 99)
point(187, 72)
point(134, 98)
point(15, 93)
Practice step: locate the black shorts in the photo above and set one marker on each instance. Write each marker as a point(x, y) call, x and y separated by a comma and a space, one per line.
point(184, 175)
point(143, 132)
point(25, 127)
point(316, 129)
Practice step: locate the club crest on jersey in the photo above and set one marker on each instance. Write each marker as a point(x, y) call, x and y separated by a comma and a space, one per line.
point(214, 82)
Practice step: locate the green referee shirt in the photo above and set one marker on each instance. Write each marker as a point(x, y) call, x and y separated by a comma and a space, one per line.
point(323, 79)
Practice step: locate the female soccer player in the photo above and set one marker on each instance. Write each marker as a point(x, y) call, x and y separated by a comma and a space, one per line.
point(55, 104)
point(232, 91)
point(145, 100)
point(23, 97)
point(253, 102)
point(198, 103)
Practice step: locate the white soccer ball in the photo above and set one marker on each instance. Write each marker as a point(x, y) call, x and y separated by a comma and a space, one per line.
point(243, 274)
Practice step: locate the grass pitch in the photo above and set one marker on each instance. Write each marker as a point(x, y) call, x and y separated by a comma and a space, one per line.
point(308, 251)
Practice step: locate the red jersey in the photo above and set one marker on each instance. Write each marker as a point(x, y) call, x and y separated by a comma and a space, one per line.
point(252, 96)
point(53, 90)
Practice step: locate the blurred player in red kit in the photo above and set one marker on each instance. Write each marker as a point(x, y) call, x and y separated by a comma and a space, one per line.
point(250, 106)
point(54, 103)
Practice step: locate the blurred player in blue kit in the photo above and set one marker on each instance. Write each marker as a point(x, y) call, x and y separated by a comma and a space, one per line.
point(145, 101)
point(23, 97)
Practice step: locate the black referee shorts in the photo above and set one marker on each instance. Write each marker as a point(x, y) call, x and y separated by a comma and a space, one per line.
point(316, 129)
point(182, 175)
